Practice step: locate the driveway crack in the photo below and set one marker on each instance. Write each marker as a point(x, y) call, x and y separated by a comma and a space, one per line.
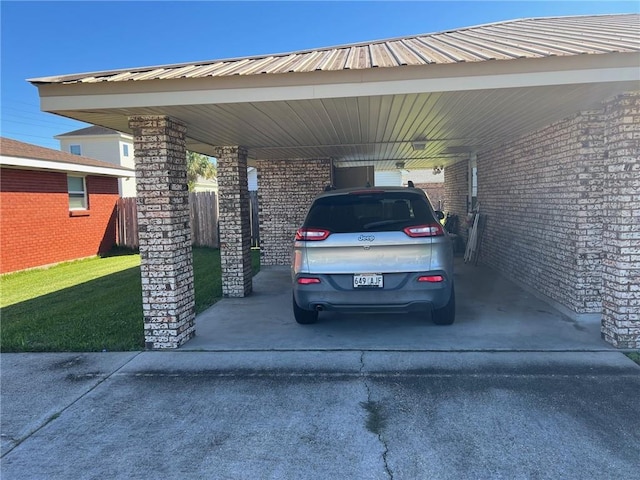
point(376, 418)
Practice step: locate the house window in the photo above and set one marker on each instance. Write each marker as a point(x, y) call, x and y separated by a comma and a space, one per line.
point(125, 150)
point(75, 149)
point(77, 193)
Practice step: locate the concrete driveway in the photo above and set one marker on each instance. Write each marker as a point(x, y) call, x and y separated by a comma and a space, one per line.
point(320, 415)
point(492, 314)
point(512, 390)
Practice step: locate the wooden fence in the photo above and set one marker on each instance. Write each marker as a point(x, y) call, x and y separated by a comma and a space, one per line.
point(255, 221)
point(127, 223)
point(203, 213)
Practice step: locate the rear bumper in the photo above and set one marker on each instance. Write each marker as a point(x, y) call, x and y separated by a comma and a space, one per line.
point(401, 293)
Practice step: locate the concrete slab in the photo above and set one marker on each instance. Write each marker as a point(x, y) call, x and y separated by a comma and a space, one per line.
point(492, 314)
point(323, 415)
point(36, 388)
point(516, 425)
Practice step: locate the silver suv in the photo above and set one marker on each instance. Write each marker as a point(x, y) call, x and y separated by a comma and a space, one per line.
point(373, 250)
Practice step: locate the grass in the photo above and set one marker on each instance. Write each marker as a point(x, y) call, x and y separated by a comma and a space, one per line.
point(635, 356)
point(90, 305)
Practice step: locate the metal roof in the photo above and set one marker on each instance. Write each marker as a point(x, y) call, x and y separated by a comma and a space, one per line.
point(365, 104)
point(525, 38)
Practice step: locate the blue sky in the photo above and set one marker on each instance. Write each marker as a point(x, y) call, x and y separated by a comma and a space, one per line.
point(50, 38)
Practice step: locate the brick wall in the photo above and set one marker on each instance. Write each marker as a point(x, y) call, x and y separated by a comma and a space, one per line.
point(37, 228)
point(621, 210)
point(542, 197)
point(456, 191)
point(286, 190)
point(435, 192)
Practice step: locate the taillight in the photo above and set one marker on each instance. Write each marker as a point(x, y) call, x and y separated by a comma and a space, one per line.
point(308, 280)
point(431, 230)
point(312, 234)
point(431, 278)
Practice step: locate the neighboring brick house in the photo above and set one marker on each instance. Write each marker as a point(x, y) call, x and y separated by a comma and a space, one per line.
point(55, 206)
point(435, 192)
point(103, 144)
point(431, 181)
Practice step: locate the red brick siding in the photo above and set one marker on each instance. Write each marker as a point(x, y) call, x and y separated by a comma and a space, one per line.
point(435, 192)
point(36, 226)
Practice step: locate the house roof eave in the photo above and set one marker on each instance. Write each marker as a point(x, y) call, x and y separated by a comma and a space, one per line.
point(47, 165)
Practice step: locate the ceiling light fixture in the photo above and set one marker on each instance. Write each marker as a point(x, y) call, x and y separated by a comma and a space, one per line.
point(419, 144)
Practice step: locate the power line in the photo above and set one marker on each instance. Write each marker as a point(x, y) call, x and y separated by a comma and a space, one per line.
point(34, 122)
point(51, 142)
point(38, 113)
point(22, 119)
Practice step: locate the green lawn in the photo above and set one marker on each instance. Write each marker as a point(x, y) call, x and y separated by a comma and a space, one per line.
point(635, 356)
point(90, 305)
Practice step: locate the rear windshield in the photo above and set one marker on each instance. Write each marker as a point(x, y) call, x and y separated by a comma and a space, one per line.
point(369, 212)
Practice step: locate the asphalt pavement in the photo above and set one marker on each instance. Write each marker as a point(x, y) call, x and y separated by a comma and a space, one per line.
point(513, 390)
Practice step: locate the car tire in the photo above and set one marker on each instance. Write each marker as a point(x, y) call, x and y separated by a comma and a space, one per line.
point(304, 317)
point(447, 314)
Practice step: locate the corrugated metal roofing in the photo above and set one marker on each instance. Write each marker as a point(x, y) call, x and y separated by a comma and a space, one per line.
point(528, 38)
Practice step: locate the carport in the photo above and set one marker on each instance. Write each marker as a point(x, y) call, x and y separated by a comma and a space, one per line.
point(547, 111)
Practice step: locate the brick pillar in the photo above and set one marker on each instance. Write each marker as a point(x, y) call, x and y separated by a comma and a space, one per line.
point(621, 232)
point(235, 223)
point(166, 267)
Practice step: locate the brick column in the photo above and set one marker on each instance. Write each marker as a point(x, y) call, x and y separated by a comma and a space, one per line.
point(235, 223)
point(168, 300)
point(621, 232)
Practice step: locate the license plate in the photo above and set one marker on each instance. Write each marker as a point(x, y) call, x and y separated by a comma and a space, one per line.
point(367, 280)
